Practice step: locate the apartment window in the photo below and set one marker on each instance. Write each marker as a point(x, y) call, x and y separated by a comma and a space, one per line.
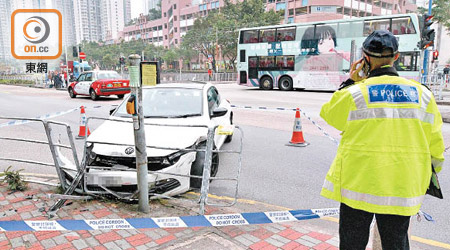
point(165, 26)
point(176, 41)
point(165, 37)
point(291, 12)
point(165, 14)
point(174, 6)
point(175, 18)
point(176, 30)
point(301, 11)
point(160, 27)
point(183, 17)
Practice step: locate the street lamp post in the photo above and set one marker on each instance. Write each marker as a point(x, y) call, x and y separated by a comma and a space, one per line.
point(139, 134)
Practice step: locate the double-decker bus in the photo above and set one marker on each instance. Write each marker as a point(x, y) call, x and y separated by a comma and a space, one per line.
point(317, 55)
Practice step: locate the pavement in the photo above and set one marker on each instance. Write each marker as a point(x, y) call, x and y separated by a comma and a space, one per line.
point(32, 204)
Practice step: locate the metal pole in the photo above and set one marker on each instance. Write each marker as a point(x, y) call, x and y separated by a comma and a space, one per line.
point(206, 169)
point(286, 11)
point(139, 135)
point(425, 54)
point(67, 67)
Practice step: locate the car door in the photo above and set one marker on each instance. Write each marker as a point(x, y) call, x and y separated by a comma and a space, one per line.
point(87, 82)
point(214, 102)
point(79, 85)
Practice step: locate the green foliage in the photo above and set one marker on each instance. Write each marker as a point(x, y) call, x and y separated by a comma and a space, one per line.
point(440, 12)
point(17, 81)
point(14, 180)
point(220, 29)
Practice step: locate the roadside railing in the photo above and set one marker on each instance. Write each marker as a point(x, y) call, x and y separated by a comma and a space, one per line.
point(437, 84)
point(184, 77)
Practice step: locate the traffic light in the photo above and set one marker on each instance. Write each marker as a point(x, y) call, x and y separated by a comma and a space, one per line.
point(435, 55)
point(74, 51)
point(79, 48)
point(427, 34)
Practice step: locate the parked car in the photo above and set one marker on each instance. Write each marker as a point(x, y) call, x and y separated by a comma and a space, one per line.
point(99, 83)
point(175, 104)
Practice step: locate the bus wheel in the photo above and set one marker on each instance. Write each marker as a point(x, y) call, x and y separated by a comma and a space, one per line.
point(285, 83)
point(266, 83)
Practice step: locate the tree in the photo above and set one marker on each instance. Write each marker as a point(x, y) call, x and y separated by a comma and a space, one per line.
point(440, 12)
point(220, 29)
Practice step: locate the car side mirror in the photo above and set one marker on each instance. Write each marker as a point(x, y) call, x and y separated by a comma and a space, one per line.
point(220, 111)
point(111, 111)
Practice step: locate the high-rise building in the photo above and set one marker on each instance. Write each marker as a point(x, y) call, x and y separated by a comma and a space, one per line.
point(68, 16)
point(114, 17)
point(5, 28)
point(88, 20)
point(150, 4)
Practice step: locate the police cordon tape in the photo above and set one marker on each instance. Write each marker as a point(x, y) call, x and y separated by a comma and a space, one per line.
point(216, 220)
point(291, 109)
point(43, 117)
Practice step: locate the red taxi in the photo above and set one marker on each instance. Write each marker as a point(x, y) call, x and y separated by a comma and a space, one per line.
point(99, 83)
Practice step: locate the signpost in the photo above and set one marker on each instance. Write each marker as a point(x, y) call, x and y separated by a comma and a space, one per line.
point(139, 134)
point(82, 55)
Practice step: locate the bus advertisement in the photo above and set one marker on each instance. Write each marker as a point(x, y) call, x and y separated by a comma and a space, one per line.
point(316, 56)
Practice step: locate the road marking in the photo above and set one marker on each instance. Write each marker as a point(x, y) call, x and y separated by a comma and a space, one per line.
point(332, 219)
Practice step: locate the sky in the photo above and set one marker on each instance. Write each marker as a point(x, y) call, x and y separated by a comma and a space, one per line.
point(137, 7)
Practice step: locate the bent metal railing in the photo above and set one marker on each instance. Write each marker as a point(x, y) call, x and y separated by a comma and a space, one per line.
point(206, 178)
point(68, 187)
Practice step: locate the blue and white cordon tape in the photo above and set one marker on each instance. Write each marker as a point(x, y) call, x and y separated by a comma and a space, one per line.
point(216, 220)
point(291, 109)
point(42, 117)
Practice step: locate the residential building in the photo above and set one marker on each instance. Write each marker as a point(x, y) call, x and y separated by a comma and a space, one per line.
point(300, 11)
point(68, 16)
point(126, 11)
point(88, 20)
point(150, 4)
point(177, 17)
point(113, 18)
point(5, 29)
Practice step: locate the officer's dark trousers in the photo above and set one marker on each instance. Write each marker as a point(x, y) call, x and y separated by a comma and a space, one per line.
point(354, 229)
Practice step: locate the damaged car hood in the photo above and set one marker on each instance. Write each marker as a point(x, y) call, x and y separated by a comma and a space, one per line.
point(108, 138)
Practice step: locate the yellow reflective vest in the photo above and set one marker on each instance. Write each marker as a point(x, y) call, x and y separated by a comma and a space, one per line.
point(391, 136)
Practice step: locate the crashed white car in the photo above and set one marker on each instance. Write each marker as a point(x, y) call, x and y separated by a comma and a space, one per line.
point(112, 164)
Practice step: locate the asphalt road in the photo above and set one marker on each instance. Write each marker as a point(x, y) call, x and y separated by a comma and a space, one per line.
point(271, 172)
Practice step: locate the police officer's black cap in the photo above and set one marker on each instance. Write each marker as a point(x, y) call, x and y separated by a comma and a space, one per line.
point(379, 41)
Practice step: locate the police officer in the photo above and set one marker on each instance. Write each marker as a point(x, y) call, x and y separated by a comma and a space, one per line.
point(391, 137)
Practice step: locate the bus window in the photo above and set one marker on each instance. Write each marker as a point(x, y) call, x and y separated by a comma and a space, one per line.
point(266, 62)
point(401, 26)
point(350, 29)
point(407, 61)
point(372, 25)
point(285, 62)
point(286, 34)
point(242, 55)
point(267, 36)
point(249, 36)
point(252, 62)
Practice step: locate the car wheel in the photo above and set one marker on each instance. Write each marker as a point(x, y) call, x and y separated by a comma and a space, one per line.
point(71, 93)
point(93, 95)
point(197, 168)
point(120, 96)
point(266, 83)
point(285, 83)
point(229, 137)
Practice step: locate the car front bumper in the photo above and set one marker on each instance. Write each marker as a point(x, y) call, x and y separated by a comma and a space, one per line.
point(122, 180)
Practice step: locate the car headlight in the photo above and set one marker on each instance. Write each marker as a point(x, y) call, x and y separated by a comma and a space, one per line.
point(173, 158)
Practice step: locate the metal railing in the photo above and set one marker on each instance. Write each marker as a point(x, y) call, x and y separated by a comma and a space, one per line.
point(183, 77)
point(437, 84)
point(206, 178)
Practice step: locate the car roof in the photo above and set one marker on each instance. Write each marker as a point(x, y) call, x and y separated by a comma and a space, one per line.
point(98, 71)
point(189, 85)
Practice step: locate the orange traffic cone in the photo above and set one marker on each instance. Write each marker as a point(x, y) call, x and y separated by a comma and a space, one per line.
point(297, 135)
point(82, 132)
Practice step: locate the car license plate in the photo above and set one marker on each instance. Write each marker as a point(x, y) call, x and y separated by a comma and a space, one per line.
point(118, 85)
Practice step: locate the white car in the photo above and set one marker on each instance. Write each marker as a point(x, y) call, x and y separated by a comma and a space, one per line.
point(174, 103)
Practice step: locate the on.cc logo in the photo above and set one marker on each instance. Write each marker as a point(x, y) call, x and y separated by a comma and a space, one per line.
point(42, 30)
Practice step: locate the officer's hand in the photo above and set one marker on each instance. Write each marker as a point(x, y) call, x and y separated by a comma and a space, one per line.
point(354, 71)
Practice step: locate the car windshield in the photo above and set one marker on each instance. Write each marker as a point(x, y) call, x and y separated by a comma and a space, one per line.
point(108, 75)
point(168, 103)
